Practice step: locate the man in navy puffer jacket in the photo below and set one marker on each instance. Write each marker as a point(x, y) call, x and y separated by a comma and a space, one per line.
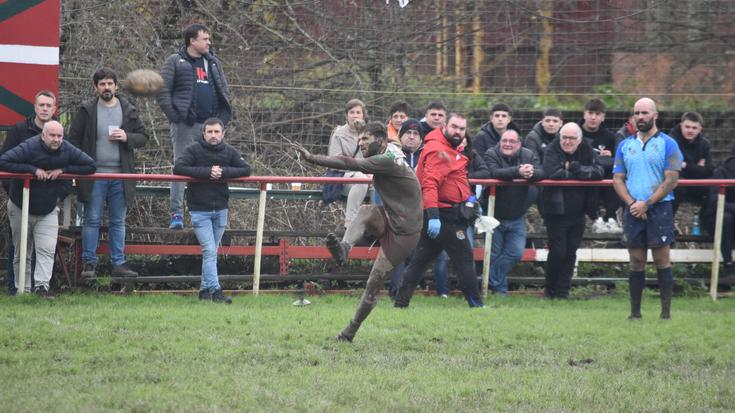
point(194, 90)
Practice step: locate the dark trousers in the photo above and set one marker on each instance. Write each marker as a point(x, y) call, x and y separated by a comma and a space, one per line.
point(453, 239)
point(694, 194)
point(610, 201)
point(565, 235)
point(728, 233)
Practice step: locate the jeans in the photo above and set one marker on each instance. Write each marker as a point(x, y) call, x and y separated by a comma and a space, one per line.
point(509, 240)
point(112, 193)
point(182, 135)
point(209, 226)
point(565, 235)
point(43, 232)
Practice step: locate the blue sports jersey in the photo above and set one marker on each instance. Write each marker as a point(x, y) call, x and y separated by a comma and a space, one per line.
point(644, 164)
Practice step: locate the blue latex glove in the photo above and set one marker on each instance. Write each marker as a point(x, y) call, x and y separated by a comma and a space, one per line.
point(435, 225)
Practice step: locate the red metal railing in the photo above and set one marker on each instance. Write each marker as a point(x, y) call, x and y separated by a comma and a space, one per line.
point(262, 181)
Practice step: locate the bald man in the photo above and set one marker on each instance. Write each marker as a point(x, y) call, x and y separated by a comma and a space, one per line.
point(645, 173)
point(45, 156)
point(564, 207)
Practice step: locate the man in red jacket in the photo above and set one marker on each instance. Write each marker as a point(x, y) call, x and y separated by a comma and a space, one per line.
point(442, 173)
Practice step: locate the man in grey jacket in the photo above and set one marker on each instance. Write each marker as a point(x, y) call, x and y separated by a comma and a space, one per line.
point(194, 90)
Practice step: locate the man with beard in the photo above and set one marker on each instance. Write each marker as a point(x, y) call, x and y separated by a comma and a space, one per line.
point(44, 107)
point(645, 174)
point(45, 157)
point(396, 223)
point(107, 128)
point(442, 172)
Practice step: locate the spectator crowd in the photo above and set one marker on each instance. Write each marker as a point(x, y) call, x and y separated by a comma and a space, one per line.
point(425, 161)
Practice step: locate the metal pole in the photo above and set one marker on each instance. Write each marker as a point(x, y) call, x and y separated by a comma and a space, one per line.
point(21, 275)
point(716, 246)
point(488, 243)
point(259, 238)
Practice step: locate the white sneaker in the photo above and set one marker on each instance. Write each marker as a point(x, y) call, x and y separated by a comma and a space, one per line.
point(613, 227)
point(599, 226)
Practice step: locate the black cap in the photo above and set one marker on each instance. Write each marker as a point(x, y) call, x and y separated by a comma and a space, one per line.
point(410, 124)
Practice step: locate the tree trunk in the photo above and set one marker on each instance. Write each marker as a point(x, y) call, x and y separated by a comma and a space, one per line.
point(543, 63)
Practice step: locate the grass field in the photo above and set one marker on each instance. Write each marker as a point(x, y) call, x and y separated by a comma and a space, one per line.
point(98, 353)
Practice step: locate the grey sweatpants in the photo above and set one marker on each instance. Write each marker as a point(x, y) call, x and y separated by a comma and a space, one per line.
point(43, 232)
point(182, 135)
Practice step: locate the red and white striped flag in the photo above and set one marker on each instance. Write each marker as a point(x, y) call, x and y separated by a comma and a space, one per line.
point(29, 55)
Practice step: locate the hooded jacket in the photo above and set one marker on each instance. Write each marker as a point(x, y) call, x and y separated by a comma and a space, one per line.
point(197, 161)
point(537, 140)
point(176, 97)
point(511, 199)
point(568, 200)
point(489, 137)
point(83, 135)
point(33, 154)
point(601, 139)
point(698, 148)
point(442, 173)
point(726, 170)
point(412, 158)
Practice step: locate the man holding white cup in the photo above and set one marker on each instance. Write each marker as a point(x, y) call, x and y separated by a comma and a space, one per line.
point(107, 128)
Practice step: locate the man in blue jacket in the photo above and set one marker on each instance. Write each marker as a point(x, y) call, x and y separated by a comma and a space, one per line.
point(194, 90)
point(46, 157)
point(44, 107)
point(210, 159)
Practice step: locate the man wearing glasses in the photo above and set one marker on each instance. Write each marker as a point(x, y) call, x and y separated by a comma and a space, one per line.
point(508, 160)
point(564, 207)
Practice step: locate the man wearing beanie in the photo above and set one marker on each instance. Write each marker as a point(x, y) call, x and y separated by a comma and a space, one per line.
point(501, 119)
point(412, 141)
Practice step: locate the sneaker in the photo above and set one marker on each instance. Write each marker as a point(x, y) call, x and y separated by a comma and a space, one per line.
point(205, 295)
point(599, 226)
point(177, 222)
point(43, 292)
point(613, 227)
point(123, 271)
point(337, 248)
point(89, 270)
point(218, 297)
